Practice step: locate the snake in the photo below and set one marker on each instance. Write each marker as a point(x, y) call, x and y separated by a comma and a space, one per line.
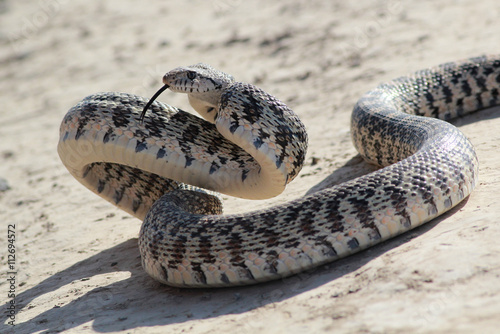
point(167, 167)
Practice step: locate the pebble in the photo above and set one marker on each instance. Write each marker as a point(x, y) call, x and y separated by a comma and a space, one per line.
point(4, 185)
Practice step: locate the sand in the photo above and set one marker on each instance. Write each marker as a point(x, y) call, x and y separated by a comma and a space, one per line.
point(77, 267)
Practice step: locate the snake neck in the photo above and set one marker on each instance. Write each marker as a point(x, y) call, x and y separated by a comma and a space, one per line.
point(272, 177)
point(265, 128)
point(247, 116)
point(205, 104)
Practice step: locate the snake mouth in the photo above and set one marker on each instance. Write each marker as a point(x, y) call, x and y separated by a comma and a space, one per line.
point(151, 100)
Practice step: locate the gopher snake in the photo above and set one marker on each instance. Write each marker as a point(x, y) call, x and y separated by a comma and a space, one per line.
point(251, 145)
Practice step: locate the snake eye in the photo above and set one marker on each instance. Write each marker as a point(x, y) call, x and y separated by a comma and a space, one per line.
point(191, 75)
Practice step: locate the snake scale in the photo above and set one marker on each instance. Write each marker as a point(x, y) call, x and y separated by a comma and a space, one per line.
point(250, 145)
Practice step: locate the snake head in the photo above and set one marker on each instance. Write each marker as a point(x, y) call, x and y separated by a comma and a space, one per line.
point(203, 84)
point(197, 79)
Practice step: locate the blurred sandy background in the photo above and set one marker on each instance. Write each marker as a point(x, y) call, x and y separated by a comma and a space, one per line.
point(77, 262)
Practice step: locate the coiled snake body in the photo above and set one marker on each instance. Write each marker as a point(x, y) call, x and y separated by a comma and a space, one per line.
point(251, 145)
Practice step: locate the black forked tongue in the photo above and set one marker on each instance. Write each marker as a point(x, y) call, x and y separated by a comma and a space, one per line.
point(146, 107)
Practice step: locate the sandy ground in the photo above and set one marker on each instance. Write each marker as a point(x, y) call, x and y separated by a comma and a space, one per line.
point(77, 266)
